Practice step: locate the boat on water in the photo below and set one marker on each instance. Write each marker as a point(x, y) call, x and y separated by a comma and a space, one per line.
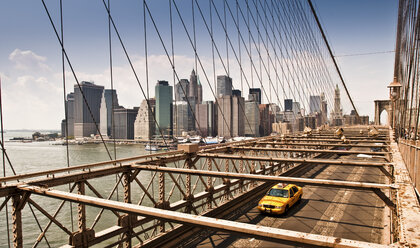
point(151, 148)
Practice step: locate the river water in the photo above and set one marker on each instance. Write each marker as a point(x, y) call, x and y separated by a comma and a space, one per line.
point(41, 156)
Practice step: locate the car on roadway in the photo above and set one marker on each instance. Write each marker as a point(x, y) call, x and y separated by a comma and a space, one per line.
point(280, 198)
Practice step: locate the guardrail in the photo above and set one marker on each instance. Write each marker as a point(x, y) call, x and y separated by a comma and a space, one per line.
point(410, 152)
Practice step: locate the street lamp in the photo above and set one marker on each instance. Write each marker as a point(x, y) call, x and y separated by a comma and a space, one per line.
point(394, 90)
point(394, 95)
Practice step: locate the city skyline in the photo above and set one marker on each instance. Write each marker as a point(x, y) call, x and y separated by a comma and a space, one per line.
point(31, 68)
point(97, 111)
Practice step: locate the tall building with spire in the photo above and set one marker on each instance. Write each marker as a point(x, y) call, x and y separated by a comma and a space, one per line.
point(337, 102)
point(337, 115)
point(182, 89)
point(193, 86)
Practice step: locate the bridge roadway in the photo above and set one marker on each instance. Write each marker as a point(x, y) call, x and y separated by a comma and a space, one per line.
point(352, 214)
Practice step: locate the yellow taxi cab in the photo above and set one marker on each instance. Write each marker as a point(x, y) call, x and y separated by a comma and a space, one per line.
point(280, 198)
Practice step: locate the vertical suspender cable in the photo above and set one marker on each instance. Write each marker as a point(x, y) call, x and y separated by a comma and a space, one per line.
point(333, 59)
point(65, 104)
point(4, 165)
point(112, 92)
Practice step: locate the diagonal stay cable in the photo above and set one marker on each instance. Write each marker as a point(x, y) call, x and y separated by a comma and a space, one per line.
point(170, 61)
point(65, 103)
point(132, 68)
point(214, 46)
point(75, 77)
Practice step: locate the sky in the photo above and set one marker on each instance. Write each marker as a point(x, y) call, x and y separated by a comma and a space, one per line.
point(31, 68)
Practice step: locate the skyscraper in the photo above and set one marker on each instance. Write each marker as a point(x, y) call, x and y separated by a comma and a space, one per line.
point(337, 102)
point(224, 86)
point(236, 93)
point(337, 115)
point(266, 119)
point(288, 104)
point(252, 121)
point(84, 125)
point(257, 92)
point(314, 104)
point(238, 116)
point(231, 119)
point(224, 119)
point(200, 92)
point(296, 108)
point(193, 91)
point(181, 87)
point(206, 118)
point(163, 93)
point(181, 110)
point(144, 125)
point(106, 111)
point(324, 109)
point(124, 122)
point(70, 117)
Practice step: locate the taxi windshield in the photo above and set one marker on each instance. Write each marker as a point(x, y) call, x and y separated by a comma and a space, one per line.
point(278, 193)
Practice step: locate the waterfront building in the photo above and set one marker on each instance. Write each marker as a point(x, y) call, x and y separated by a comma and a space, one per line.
point(70, 117)
point(257, 92)
point(163, 93)
point(314, 104)
point(224, 118)
point(124, 122)
point(238, 115)
point(191, 113)
point(144, 125)
point(224, 86)
point(206, 119)
point(181, 111)
point(352, 119)
point(106, 111)
point(266, 119)
point(252, 113)
point(288, 104)
point(231, 121)
point(84, 124)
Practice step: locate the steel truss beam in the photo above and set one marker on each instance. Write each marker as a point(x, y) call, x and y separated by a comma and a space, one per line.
point(52, 173)
point(317, 144)
point(305, 150)
point(298, 139)
point(304, 181)
point(260, 232)
point(294, 160)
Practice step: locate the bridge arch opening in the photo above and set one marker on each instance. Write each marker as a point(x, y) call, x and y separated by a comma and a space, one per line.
point(383, 118)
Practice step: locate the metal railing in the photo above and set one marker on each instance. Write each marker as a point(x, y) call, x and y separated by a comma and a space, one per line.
point(410, 151)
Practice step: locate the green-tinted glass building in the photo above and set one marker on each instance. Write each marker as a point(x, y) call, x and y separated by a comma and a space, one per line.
point(163, 93)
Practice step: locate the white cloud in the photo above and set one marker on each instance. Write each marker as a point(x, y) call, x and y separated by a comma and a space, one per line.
point(28, 60)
